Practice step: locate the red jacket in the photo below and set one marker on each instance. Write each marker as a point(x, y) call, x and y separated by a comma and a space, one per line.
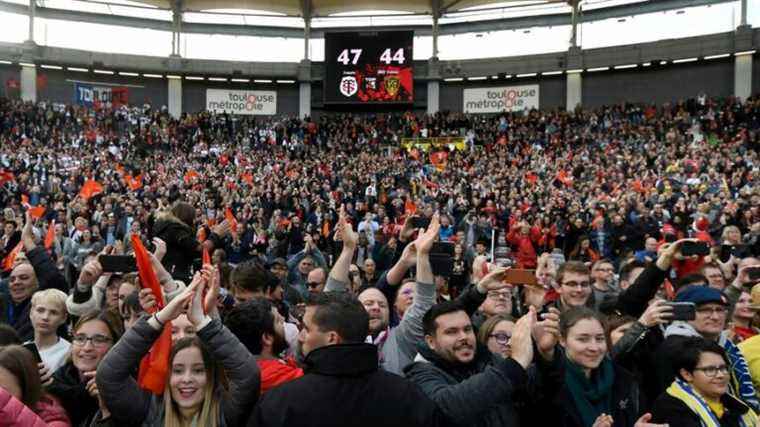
point(49, 413)
point(526, 252)
point(275, 372)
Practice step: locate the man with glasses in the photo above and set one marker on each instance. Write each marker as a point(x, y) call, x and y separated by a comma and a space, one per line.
point(497, 302)
point(603, 280)
point(573, 286)
point(301, 264)
point(709, 323)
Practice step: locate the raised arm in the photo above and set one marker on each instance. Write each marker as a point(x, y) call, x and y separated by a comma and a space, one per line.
point(338, 279)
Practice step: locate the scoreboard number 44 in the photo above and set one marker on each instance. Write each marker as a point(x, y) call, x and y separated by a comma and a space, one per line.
point(352, 56)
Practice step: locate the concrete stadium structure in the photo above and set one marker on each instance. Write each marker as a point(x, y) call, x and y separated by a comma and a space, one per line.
point(717, 64)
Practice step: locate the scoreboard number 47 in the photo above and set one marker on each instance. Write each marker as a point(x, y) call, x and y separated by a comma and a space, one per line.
point(352, 56)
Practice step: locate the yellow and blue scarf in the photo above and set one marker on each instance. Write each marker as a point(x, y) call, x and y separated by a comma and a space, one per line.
point(682, 391)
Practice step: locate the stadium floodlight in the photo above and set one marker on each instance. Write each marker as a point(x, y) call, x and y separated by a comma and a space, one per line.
point(262, 81)
point(494, 77)
point(51, 67)
point(103, 72)
point(26, 64)
point(685, 60)
point(173, 76)
point(2, 61)
point(551, 73)
point(217, 79)
point(153, 76)
point(591, 70)
point(194, 78)
point(77, 69)
point(575, 71)
point(454, 79)
point(646, 64)
point(478, 78)
point(722, 55)
point(745, 52)
point(241, 80)
point(527, 75)
point(128, 74)
point(626, 66)
point(289, 82)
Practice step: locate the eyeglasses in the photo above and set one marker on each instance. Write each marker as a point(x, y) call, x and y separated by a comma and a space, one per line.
point(499, 295)
point(96, 340)
point(710, 310)
point(711, 371)
point(582, 285)
point(501, 337)
point(313, 285)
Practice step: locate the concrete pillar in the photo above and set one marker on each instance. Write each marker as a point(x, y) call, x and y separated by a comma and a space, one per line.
point(744, 6)
point(32, 13)
point(574, 90)
point(743, 76)
point(433, 96)
point(175, 97)
point(304, 99)
point(574, 24)
point(29, 84)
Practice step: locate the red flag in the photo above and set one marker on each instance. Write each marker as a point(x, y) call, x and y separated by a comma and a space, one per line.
point(154, 367)
point(248, 178)
point(134, 183)
point(206, 257)
point(231, 219)
point(35, 211)
point(50, 236)
point(6, 176)
point(90, 188)
point(409, 207)
point(190, 175)
point(8, 261)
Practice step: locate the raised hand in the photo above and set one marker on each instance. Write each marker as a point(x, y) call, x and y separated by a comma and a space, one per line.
point(493, 280)
point(90, 274)
point(195, 313)
point(345, 231)
point(546, 333)
point(424, 242)
point(179, 304)
point(603, 420)
point(656, 314)
point(521, 342)
point(160, 250)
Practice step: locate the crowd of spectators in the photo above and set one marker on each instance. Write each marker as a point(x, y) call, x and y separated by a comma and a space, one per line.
point(321, 302)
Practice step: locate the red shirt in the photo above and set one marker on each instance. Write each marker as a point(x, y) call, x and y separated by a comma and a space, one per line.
point(275, 372)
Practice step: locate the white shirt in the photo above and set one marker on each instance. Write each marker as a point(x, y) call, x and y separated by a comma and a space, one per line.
point(55, 356)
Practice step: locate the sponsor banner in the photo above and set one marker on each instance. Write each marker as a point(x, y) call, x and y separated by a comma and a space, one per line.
point(100, 96)
point(425, 144)
point(498, 99)
point(246, 102)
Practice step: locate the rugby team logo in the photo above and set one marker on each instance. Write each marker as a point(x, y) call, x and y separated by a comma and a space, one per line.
point(348, 86)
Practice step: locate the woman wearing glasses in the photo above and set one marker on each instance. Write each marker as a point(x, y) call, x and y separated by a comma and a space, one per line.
point(495, 334)
point(74, 383)
point(699, 396)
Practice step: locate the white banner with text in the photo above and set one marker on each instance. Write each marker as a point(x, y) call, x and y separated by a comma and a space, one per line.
point(245, 102)
point(498, 99)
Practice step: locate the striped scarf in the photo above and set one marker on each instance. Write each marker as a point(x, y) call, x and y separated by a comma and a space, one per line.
point(682, 391)
point(741, 380)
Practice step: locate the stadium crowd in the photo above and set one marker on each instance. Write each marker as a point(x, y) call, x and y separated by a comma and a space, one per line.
point(286, 271)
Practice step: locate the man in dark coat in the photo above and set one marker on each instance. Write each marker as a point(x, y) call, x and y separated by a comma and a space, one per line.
point(38, 272)
point(469, 384)
point(342, 385)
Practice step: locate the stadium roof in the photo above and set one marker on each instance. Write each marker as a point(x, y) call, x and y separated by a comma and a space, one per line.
point(330, 7)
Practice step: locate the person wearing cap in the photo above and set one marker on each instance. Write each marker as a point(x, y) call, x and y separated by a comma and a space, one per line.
point(709, 323)
point(279, 267)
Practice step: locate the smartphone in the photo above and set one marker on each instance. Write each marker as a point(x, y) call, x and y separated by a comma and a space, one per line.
point(420, 222)
point(683, 310)
point(32, 347)
point(118, 263)
point(517, 276)
point(690, 248)
point(753, 273)
point(739, 251)
point(442, 258)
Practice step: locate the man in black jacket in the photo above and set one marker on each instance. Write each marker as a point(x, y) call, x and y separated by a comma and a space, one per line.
point(342, 385)
point(38, 273)
point(471, 386)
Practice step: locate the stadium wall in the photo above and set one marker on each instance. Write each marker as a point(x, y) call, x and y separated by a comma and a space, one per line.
point(59, 86)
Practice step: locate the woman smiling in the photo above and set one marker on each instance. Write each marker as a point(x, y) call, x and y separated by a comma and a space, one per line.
point(194, 394)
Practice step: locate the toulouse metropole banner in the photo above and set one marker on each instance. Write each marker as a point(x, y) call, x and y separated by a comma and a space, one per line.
point(498, 99)
point(100, 96)
point(247, 102)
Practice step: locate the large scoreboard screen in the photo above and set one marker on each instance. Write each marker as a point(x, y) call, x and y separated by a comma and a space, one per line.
point(368, 67)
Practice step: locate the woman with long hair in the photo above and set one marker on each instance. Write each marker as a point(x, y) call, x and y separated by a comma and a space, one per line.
point(194, 394)
point(74, 383)
point(22, 400)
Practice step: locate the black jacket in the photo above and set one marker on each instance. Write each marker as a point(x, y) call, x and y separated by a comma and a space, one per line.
point(560, 410)
point(480, 393)
point(182, 246)
point(343, 387)
point(668, 409)
point(48, 276)
point(72, 392)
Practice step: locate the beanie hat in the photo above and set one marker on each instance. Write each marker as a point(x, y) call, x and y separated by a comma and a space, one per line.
point(701, 224)
point(699, 294)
